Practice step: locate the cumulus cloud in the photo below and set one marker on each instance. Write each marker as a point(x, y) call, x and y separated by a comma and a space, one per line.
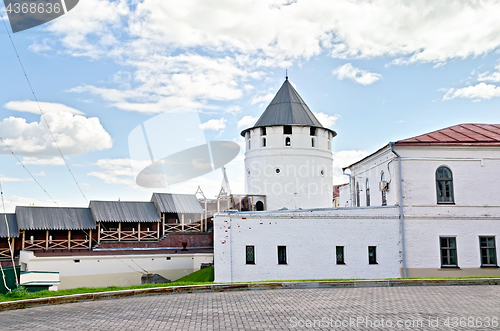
point(55, 161)
point(247, 121)
point(4, 178)
point(214, 124)
point(262, 98)
point(75, 134)
point(34, 107)
point(363, 77)
point(117, 171)
point(342, 159)
point(493, 77)
point(327, 120)
point(477, 92)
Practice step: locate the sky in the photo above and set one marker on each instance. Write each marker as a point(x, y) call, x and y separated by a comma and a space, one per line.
point(373, 71)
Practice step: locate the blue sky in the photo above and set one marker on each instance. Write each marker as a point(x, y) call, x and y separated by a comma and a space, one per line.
point(374, 71)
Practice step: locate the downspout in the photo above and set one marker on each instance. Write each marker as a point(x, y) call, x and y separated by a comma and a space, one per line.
point(401, 212)
point(350, 188)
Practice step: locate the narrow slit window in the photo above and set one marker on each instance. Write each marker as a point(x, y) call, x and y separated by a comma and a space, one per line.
point(367, 193)
point(264, 142)
point(384, 193)
point(288, 141)
point(281, 254)
point(313, 131)
point(313, 142)
point(263, 131)
point(287, 129)
point(340, 254)
point(357, 195)
point(372, 254)
point(250, 254)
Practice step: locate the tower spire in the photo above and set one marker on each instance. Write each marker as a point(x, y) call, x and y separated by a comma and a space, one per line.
point(286, 74)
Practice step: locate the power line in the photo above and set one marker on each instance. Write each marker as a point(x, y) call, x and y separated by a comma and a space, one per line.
point(40, 109)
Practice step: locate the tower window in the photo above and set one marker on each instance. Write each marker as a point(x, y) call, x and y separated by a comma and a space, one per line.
point(249, 144)
point(264, 142)
point(313, 131)
point(313, 143)
point(287, 129)
point(263, 131)
point(288, 141)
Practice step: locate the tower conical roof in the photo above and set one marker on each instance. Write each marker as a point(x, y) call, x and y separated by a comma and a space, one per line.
point(287, 108)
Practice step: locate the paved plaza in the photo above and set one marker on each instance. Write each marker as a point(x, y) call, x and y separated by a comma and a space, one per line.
point(398, 308)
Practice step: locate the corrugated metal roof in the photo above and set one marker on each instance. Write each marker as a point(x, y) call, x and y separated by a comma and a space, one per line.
point(177, 203)
point(124, 211)
point(13, 231)
point(287, 108)
point(462, 134)
point(54, 218)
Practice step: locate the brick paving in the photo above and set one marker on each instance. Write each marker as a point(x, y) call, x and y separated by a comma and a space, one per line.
point(285, 309)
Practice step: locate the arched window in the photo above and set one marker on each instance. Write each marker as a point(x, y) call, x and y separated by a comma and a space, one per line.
point(444, 185)
point(288, 141)
point(264, 142)
point(357, 194)
point(367, 192)
point(384, 193)
point(312, 142)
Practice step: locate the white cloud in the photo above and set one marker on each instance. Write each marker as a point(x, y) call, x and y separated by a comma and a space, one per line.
point(247, 121)
point(477, 92)
point(363, 77)
point(47, 107)
point(342, 159)
point(327, 120)
point(262, 98)
point(4, 178)
point(213, 124)
point(55, 161)
point(11, 201)
point(117, 171)
point(493, 77)
point(75, 134)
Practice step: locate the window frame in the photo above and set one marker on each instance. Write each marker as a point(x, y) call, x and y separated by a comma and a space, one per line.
point(263, 131)
point(443, 181)
point(358, 203)
point(288, 142)
point(384, 193)
point(264, 142)
point(282, 248)
point(487, 249)
point(340, 261)
point(287, 128)
point(374, 259)
point(367, 192)
point(313, 142)
point(247, 260)
point(448, 248)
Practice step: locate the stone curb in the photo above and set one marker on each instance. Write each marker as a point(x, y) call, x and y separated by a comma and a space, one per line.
point(19, 304)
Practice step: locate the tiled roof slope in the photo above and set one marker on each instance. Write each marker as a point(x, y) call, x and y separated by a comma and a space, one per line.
point(462, 134)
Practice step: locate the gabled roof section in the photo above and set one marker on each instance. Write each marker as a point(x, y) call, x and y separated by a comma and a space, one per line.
point(177, 203)
point(12, 232)
point(287, 108)
point(124, 211)
point(462, 134)
point(54, 218)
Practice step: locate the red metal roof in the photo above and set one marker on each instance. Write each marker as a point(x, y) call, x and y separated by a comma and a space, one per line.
point(336, 191)
point(462, 134)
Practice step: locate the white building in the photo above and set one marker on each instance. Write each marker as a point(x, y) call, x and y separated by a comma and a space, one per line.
point(421, 207)
point(288, 155)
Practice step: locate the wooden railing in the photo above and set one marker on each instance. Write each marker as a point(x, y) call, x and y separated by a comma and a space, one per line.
point(4, 253)
point(37, 244)
point(178, 227)
point(129, 235)
point(109, 235)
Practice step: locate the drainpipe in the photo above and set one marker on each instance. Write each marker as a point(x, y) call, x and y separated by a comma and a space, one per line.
point(350, 188)
point(401, 212)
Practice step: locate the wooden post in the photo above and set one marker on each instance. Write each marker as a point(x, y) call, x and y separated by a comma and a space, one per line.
point(139, 231)
point(69, 239)
point(99, 233)
point(163, 224)
point(182, 223)
point(90, 239)
point(158, 230)
point(119, 231)
point(46, 239)
point(24, 237)
point(13, 247)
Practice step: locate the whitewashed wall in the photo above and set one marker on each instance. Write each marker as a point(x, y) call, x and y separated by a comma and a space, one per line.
point(300, 164)
point(108, 270)
point(311, 238)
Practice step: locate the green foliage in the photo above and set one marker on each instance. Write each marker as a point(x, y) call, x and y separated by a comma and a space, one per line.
point(205, 275)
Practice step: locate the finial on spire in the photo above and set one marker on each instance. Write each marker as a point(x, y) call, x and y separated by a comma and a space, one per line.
point(286, 74)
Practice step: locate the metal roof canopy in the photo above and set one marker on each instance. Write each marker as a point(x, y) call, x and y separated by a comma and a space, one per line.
point(461, 134)
point(13, 230)
point(124, 211)
point(177, 203)
point(287, 108)
point(54, 218)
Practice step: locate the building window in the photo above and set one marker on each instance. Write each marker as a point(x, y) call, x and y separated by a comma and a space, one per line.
point(448, 251)
point(288, 141)
point(312, 142)
point(249, 144)
point(287, 129)
point(444, 185)
point(264, 142)
point(329, 144)
point(488, 251)
point(372, 254)
point(313, 131)
point(384, 193)
point(250, 250)
point(281, 254)
point(249, 134)
point(367, 192)
point(263, 131)
point(357, 194)
point(340, 254)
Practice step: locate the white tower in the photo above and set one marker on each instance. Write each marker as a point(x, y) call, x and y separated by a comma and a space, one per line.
point(288, 155)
